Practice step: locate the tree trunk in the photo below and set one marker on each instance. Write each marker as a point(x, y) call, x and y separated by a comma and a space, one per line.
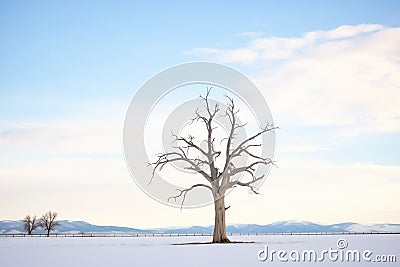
point(48, 232)
point(219, 235)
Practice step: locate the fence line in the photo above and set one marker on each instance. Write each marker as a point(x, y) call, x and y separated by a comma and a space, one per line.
point(186, 234)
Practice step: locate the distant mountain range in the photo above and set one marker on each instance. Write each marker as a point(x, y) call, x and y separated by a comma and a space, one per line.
point(277, 227)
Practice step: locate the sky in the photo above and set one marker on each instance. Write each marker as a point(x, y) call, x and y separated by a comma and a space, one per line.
point(328, 70)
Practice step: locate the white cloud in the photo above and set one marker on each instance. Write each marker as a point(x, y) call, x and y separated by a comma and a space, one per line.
point(96, 127)
point(251, 34)
point(77, 137)
point(245, 55)
point(276, 48)
point(346, 76)
point(344, 31)
point(301, 148)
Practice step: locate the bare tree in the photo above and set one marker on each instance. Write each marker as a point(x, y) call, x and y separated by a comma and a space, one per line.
point(48, 222)
point(219, 180)
point(30, 224)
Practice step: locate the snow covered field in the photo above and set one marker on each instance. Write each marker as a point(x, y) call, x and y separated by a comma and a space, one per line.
point(162, 251)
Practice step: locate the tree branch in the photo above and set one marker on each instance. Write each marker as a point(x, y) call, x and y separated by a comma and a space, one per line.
point(267, 128)
point(166, 158)
point(183, 192)
point(190, 143)
point(250, 168)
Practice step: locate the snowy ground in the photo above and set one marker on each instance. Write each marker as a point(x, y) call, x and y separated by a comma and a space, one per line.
point(161, 251)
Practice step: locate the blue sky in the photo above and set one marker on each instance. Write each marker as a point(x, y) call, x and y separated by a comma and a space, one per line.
point(69, 69)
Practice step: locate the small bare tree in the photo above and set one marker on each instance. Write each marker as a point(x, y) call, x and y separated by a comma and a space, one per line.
point(48, 222)
point(219, 179)
point(30, 224)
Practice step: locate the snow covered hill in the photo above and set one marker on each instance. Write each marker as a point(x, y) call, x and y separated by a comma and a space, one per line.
point(67, 226)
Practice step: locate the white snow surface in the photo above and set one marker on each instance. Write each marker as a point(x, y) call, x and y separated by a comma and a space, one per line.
point(162, 251)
